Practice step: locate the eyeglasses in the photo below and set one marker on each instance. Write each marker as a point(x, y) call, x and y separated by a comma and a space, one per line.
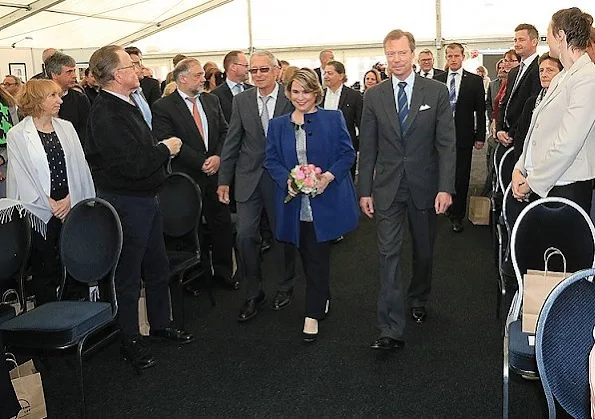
point(263, 70)
point(125, 68)
point(243, 65)
point(426, 60)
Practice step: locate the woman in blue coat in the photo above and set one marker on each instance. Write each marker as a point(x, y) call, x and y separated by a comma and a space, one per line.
point(310, 135)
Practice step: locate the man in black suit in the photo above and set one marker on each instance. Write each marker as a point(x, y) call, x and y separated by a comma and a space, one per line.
point(243, 157)
point(426, 65)
point(91, 87)
point(149, 85)
point(337, 96)
point(236, 66)
point(467, 101)
point(325, 56)
point(407, 167)
point(523, 82)
point(61, 68)
point(196, 118)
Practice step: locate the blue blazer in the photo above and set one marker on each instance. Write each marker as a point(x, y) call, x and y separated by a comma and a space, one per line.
point(328, 145)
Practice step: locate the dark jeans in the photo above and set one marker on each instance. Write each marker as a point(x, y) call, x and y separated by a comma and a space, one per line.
point(143, 256)
point(316, 262)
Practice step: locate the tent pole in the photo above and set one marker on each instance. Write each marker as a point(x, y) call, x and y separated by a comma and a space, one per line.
point(250, 42)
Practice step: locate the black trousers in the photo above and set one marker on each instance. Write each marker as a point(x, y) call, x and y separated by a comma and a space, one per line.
point(316, 262)
point(462, 174)
point(249, 240)
point(45, 262)
point(390, 226)
point(143, 256)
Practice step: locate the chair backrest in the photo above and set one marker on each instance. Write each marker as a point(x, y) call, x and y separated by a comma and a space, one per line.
point(91, 241)
point(15, 242)
point(498, 153)
point(551, 222)
point(180, 201)
point(505, 169)
point(563, 340)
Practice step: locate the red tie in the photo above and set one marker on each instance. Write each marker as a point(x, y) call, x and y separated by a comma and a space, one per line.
point(196, 117)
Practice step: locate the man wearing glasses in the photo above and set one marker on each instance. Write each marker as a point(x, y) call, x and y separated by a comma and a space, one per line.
point(426, 65)
point(149, 87)
point(128, 167)
point(236, 66)
point(243, 156)
point(12, 84)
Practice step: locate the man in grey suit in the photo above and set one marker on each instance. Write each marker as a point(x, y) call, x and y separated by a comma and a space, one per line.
point(243, 155)
point(407, 138)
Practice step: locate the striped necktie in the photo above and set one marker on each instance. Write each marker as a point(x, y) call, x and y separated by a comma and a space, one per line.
point(264, 116)
point(403, 106)
point(452, 93)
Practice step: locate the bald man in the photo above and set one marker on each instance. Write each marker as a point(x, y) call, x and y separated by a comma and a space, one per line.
point(45, 55)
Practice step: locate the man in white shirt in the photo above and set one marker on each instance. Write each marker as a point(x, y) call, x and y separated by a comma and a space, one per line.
point(236, 66)
point(426, 65)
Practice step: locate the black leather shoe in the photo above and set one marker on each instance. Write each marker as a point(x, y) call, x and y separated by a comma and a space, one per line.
point(418, 314)
point(172, 334)
point(282, 299)
point(191, 289)
point(387, 344)
point(250, 307)
point(265, 245)
point(135, 351)
point(457, 226)
point(230, 284)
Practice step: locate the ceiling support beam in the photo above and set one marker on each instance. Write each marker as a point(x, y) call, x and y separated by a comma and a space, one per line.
point(30, 10)
point(157, 27)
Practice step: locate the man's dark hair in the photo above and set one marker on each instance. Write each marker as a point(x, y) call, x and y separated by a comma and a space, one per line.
point(532, 30)
point(56, 62)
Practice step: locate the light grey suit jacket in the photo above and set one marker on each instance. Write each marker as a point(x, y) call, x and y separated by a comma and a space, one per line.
point(244, 148)
point(562, 131)
point(425, 152)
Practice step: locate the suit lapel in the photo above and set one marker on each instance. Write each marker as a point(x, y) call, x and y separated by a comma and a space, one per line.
point(211, 116)
point(343, 97)
point(182, 108)
point(416, 100)
point(252, 107)
point(388, 102)
point(282, 106)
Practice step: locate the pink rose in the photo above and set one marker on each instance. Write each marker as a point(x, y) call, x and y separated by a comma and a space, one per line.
point(318, 170)
point(300, 175)
point(309, 183)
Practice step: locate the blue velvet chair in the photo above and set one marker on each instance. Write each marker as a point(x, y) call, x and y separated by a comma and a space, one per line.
point(545, 223)
point(563, 341)
point(90, 246)
point(15, 243)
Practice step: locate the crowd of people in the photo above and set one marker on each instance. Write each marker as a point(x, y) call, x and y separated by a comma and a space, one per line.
point(414, 131)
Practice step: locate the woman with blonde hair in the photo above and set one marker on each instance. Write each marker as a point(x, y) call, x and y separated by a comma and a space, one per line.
point(48, 174)
point(371, 78)
point(312, 223)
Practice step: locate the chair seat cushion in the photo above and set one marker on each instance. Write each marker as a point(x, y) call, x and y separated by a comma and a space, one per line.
point(521, 356)
point(59, 323)
point(180, 261)
point(7, 312)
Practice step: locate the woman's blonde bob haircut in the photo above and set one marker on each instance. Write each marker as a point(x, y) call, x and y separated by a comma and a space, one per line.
point(308, 80)
point(32, 95)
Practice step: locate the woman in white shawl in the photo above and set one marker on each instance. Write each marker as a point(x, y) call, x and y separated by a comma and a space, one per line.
point(48, 174)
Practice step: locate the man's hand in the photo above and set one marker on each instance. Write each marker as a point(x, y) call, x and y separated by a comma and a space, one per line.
point(479, 145)
point(366, 203)
point(173, 144)
point(211, 165)
point(442, 202)
point(323, 181)
point(2, 176)
point(520, 187)
point(223, 194)
point(503, 138)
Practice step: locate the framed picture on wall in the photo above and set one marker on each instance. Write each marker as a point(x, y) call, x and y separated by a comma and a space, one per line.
point(19, 70)
point(81, 67)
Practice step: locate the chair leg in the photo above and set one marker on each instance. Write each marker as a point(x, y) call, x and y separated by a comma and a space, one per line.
point(505, 377)
point(177, 300)
point(79, 372)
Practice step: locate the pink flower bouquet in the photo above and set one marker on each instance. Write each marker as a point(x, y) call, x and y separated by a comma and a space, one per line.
point(304, 178)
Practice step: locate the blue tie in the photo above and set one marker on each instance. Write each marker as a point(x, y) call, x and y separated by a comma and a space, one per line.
point(452, 93)
point(403, 105)
point(143, 106)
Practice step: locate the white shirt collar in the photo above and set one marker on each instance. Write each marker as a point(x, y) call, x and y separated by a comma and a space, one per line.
point(120, 96)
point(459, 71)
point(273, 94)
point(184, 95)
point(527, 61)
point(338, 92)
point(232, 84)
point(409, 80)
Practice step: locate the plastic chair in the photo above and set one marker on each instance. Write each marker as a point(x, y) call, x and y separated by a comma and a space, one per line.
point(505, 169)
point(545, 223)
point(180, 201)
point(563, 340)
point(90, 246)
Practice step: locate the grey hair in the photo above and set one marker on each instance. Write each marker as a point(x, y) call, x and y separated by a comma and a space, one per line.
point(274, 62)
point(55, 63)
point(183, 67)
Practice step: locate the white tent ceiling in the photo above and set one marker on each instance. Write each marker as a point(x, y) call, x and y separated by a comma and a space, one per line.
point(169, 26)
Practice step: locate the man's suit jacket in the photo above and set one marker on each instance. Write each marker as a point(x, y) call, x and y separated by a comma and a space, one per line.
point(151, 89)
point(562, 130)
point(244, 149)
point(351, 104)
point(493, 89)
point(319, 72)
point(470, 112)
point(172, 117)
point(528, 86)
point(436, 73)
point(425, 153)
point(226, 98)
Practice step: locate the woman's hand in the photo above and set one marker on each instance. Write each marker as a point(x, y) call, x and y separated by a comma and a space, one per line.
point(290, 189)
point(520, 188)
point(323, 181)
point(60, 208)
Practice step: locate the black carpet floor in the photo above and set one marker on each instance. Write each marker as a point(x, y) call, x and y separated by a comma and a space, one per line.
point(450, 367)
